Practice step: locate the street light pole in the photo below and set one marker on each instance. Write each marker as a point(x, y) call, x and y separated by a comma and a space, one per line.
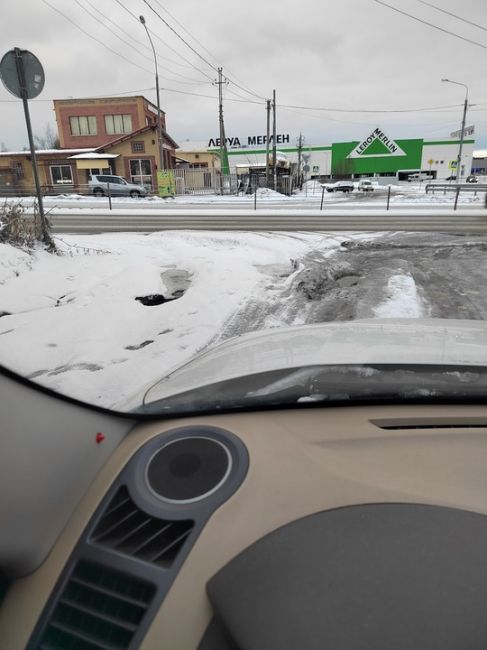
point(159, 122)
point(464, 119)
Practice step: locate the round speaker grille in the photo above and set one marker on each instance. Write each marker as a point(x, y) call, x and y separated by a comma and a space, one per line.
point(188, 469)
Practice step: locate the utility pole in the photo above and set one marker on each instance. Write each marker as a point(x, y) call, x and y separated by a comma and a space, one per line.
point(158, 96)
point(274, 152)
point(223, 145)
point(300, 149)
point(462, 136)
point(464, 118)
point(268, 109)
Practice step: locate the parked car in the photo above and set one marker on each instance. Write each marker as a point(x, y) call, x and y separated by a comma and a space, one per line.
point(118, 186)
point(341, 186)
point(451, 178)
point(366, 186)
point(419, 177)
point(471, 179)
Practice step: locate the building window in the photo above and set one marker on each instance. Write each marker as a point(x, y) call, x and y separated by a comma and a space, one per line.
point(61, 175)
point(141, 172)
point(117, 124)
point(199, 165)
point(83, 125)
point(138, 147)
point(18, 170)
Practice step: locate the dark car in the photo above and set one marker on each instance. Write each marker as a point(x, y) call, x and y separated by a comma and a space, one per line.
point(341, 186)
point(471, 179)
point(451, 178)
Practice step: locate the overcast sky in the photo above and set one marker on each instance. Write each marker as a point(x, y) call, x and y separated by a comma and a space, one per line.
point(351, 55)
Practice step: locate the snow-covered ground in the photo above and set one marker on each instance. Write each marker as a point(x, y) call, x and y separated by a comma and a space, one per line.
point(72, 321)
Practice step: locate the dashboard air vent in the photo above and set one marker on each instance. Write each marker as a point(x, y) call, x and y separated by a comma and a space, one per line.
point(98, 609)
point(126, 529)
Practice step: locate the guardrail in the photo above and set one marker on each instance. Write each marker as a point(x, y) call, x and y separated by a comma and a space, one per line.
point(454, 187)
point(457, 188)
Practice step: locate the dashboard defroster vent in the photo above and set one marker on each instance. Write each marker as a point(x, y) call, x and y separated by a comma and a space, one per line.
point(126, 529)
point(98, 609)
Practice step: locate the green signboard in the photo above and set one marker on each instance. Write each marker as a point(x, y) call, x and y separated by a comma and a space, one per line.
point(375, 155)
point(166, 183)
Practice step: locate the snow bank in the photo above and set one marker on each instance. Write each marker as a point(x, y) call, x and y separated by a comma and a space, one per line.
point(402, 299)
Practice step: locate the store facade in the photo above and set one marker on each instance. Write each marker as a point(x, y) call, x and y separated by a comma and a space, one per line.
point(378, 154)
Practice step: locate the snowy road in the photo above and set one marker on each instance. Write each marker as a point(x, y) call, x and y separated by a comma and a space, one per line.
point(409, 276)
point(117, 312)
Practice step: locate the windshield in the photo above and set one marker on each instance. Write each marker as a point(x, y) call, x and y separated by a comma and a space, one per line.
point(233, 209)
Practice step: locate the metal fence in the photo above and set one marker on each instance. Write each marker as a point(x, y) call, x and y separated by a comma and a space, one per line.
point(204, 181)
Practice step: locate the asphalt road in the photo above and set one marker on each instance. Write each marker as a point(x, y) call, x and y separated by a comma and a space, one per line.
point(471, 221)
point(448, 273)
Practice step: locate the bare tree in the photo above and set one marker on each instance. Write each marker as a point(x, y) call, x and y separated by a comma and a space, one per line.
point(48, 139)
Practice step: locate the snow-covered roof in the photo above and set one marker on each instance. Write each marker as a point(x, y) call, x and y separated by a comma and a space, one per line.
point(480, 153)
point(193, 145)
point(44, 151)
point(94, 156)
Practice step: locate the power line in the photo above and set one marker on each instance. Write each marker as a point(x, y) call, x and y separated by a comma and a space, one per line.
point(164, 43)
point(246, 90)
point(95, 39)
point(159, 56)
point(425, 22)
point(180, 37)
point(449, 13)
point(111, 31)
point(371, 110)
point(191, 82)
point(184, 29)
point(229, 72)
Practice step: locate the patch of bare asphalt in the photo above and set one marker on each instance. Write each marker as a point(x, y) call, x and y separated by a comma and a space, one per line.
point(450, 272)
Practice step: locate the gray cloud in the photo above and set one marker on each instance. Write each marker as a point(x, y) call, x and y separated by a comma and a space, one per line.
point(352, 54)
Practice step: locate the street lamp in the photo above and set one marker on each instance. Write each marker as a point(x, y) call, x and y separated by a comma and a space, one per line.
point(159, 123)
point(462, 134)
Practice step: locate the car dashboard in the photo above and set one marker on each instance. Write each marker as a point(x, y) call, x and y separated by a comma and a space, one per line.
point(190, 527)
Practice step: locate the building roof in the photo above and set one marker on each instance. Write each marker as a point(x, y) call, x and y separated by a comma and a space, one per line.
point(129, 136)
point(197, 146)
point(40, 152)
point(94, 156)
point(480, 153)
point(74, 100)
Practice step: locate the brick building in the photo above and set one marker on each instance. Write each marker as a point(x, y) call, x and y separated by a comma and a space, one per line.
point(123, 128)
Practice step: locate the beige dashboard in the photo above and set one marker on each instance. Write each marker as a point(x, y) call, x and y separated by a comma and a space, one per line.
point(300, 462)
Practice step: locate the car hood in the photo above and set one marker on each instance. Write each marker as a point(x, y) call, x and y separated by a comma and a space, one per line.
point(379, 341)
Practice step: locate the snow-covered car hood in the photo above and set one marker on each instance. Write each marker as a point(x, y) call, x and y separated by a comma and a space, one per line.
point(379, 341)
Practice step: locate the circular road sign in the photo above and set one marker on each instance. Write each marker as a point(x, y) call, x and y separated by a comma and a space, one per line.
point(33, 73)
point(306, 168)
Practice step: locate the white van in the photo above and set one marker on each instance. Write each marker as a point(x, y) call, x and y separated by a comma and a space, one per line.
point(365, 185)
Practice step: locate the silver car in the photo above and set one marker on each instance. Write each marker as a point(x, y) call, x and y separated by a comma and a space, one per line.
point(99, 184)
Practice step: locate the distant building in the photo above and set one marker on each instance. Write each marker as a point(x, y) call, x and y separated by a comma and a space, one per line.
point(377, 154)
point(479, 162)
point(115, 135)
point(197, 168)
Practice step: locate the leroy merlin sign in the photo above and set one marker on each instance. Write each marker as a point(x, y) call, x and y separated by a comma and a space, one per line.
point(377, 153)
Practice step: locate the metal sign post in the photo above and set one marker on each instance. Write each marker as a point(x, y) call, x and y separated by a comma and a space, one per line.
point(22, 75)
